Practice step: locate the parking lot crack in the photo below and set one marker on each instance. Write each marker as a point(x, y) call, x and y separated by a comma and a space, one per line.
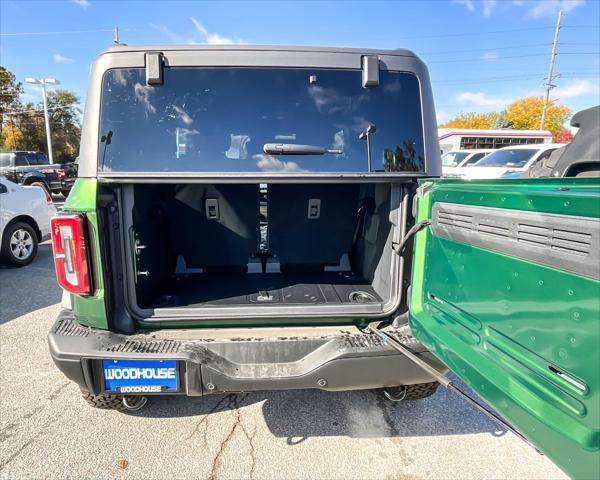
point(250, 438)
point(203, 422)
point(39, 433)
point(233, 405)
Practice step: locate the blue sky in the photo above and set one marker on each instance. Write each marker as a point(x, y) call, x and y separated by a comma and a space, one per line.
point(481, 54)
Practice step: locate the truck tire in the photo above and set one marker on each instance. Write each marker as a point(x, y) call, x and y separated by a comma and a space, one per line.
point(410, 392)
point(39, 184)
point(19, 245)
point(105, 402)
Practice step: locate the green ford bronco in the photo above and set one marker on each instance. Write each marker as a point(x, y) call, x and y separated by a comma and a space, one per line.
point(261, 218)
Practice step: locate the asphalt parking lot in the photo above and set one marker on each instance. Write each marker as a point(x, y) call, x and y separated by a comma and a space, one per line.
point(47, 431)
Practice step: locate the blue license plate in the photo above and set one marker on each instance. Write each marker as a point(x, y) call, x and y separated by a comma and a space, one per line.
point(140, 376)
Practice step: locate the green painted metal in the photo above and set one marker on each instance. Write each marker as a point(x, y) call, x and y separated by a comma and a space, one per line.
point(524, 336)
point(89, 310)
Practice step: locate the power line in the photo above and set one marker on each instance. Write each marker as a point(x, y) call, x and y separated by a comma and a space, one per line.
point(64, 32)
point(468, 34)
point(498, 58)
point(487, 49)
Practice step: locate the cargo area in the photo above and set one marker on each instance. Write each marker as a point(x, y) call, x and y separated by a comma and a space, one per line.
point(270, 249)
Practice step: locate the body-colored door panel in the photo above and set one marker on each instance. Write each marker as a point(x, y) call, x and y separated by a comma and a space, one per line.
point(506, 293)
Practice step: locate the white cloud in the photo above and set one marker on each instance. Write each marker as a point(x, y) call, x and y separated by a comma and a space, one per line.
point(488, 7)
point(212, 38)
point(181, 114)
point(82, 3)
point(489, 56)
point(577, 88)
point(466, 3)
point(268, 163)
point(442, 116)
point(480, 100)
point(58, 58)
point(143, 93)
point(543, 8)
point(339, 141)
point(166, 31)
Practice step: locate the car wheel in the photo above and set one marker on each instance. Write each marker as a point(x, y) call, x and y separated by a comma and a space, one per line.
point(65, 193)
point(410, 392)
point(19, 245)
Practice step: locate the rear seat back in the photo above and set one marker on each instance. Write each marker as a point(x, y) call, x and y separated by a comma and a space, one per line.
point(311, 225)
point(215, 226)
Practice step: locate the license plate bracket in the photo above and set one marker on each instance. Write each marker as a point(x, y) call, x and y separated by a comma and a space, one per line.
point(140, 376)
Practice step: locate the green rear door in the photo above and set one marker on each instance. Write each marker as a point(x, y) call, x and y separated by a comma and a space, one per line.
point(506, 292)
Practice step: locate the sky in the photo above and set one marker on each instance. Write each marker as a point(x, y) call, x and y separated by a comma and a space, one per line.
point(481, 53)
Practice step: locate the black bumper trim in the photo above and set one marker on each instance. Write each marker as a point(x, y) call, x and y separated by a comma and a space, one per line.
point(347, 361)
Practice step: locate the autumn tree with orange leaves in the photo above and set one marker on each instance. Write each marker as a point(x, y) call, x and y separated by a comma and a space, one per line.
point(522, 114)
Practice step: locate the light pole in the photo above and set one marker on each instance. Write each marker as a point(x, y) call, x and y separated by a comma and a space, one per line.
point(366, 135)
point(43, 82)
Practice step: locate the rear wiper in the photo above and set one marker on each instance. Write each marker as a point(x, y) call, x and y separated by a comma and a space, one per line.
point(294, 149)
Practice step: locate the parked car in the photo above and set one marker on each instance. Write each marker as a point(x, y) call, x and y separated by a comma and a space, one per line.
point(34, 168)
point(462, 158)
point(579, 158)
point(25, 214)
point(178, 287)
point(68, 179)
point(508, 160)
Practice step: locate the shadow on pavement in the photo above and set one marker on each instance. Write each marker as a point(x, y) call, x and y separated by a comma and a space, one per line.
point(302, 414)
point(294, 415)
point(26, 289)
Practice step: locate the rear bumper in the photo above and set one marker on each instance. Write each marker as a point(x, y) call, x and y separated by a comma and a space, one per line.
point(67, 183)
point(350, 360)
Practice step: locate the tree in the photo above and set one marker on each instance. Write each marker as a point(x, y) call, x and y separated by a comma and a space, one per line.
point(64, 122)
point(526, 113)
point(483, 121)
point(562, 136)
point(9, 96)
point(25, 129)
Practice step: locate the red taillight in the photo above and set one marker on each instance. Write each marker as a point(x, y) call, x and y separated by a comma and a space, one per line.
point(60, 172)
point(70, 253)
point(48, 196)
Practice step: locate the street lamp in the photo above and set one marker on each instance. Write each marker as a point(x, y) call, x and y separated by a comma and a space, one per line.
point(43, 82)
point(366, 135)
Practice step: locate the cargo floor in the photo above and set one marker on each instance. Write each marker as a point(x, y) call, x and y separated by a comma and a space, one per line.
point(265, 288)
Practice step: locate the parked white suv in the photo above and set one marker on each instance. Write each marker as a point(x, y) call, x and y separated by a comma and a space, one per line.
point(509, 160)
point(25, 214)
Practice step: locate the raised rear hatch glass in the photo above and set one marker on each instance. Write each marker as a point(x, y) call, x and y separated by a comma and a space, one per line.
point(219, 119)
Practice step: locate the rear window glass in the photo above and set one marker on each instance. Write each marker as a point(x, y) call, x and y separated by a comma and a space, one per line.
point(508, 158)
point(38, 159)
point(219, 119)
point(452, 159)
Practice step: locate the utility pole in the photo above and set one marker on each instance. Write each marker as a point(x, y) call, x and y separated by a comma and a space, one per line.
point(43, 82)
point(116, 36)
point(550, 76)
